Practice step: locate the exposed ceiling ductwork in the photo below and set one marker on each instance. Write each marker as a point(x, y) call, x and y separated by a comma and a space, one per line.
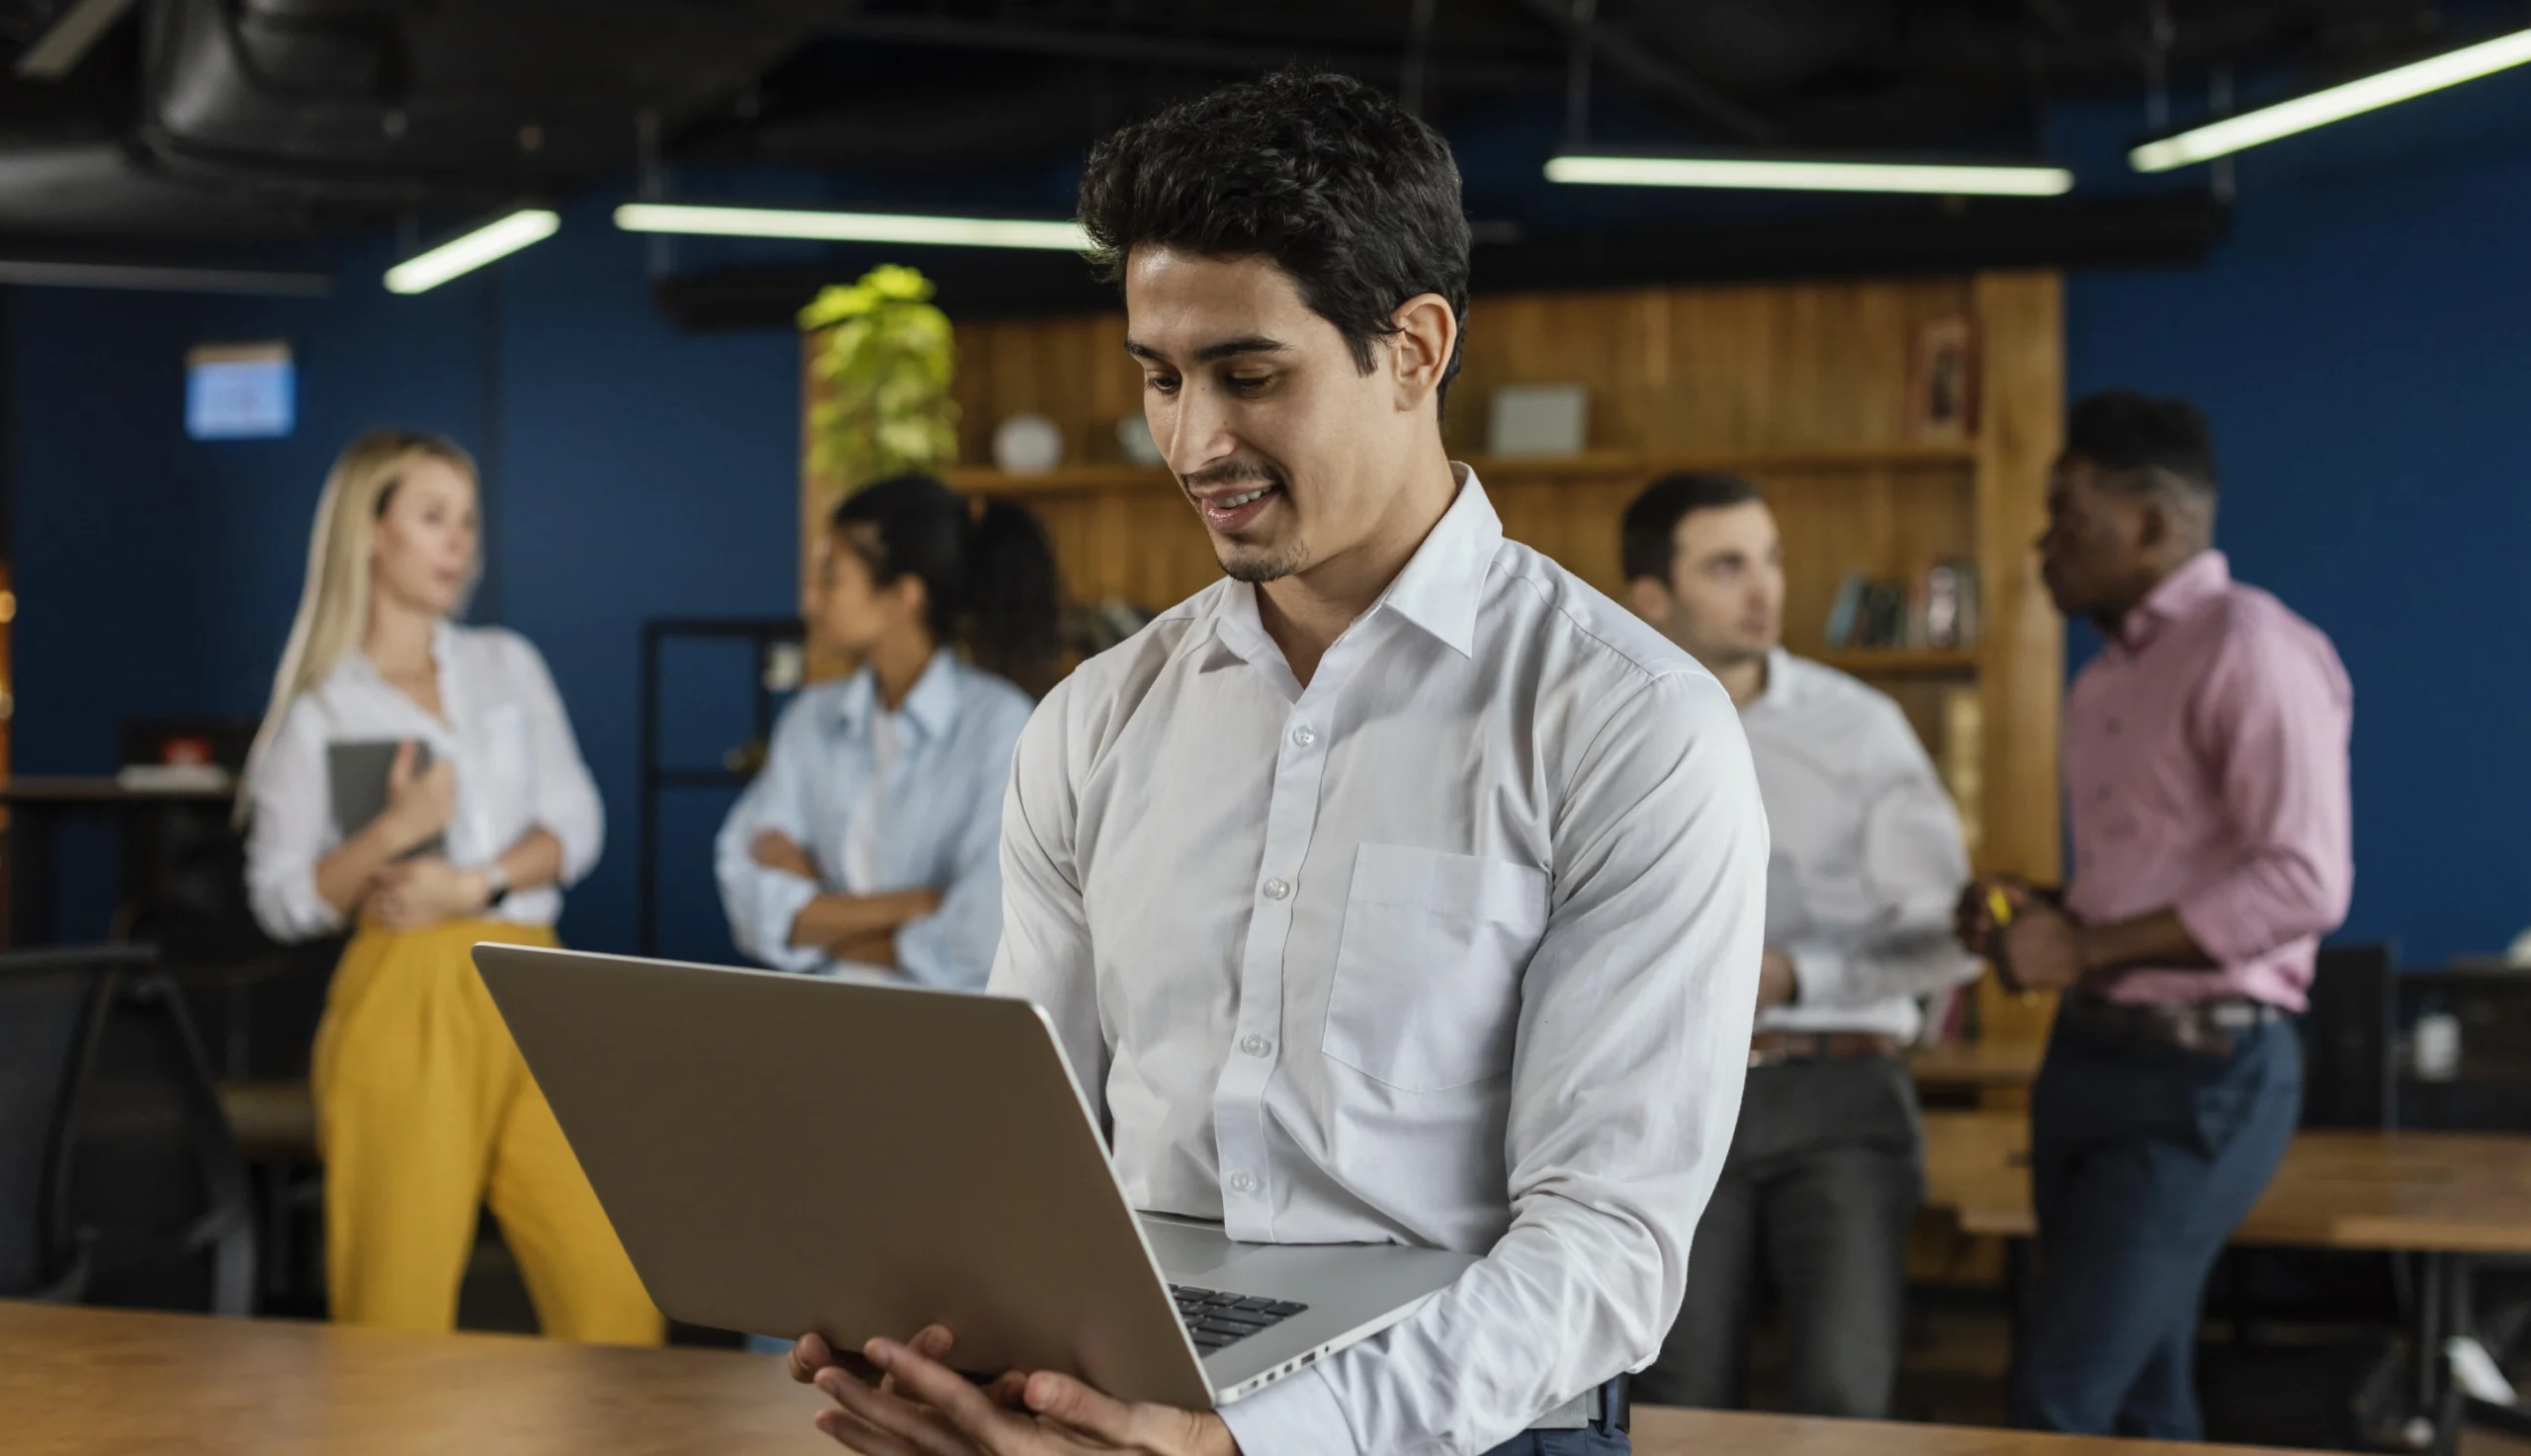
point(181, 120)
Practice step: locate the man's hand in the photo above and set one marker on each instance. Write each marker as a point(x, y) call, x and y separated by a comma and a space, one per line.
point(2042, 948)
point(418, 893)
point(776, 851)
point(1778, 982)
point(921, 1408)
point(1974, 918)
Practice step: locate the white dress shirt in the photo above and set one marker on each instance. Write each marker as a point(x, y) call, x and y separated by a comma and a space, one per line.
point(882, 802)
point(1867, 861)
point(518, 769)
point(1456, 947)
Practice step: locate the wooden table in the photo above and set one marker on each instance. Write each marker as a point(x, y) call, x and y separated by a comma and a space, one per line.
point(1974, 1066)
point(2444, 1192)
point(88, 1382)
point(2444, 1197)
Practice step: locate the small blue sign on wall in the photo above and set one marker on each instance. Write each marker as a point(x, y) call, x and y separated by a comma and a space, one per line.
point(240, 391)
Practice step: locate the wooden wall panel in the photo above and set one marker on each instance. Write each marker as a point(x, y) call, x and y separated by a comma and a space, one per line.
point(1802, 386)
point(2024, 679)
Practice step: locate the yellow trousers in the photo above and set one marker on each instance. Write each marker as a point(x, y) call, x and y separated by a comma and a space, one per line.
point(426, 1112)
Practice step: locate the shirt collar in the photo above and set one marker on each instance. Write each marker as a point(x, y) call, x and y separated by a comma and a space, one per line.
point(1779, 683)
point(931, 705)
point(1439, 589)
point(1445, 580)
point(2198, 583)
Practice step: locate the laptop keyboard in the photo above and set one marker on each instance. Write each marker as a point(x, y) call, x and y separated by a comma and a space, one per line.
point(1218, 1321)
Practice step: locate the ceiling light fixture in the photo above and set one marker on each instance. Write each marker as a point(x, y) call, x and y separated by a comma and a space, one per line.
point(463, 254)
point(2337, 104)
point(1794, 173)
point(832, 227)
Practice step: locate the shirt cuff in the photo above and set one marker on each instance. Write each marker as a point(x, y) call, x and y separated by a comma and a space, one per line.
point(1297, 1415)
point(292, 911)
point(2216, 921)
point(927, 951)
point(779, 899)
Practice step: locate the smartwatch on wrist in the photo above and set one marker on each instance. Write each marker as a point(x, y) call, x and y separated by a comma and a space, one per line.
point(496, 885)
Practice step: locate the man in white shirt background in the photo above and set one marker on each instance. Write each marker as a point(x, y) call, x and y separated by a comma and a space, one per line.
point(1397, 888)
point(1826, 1169)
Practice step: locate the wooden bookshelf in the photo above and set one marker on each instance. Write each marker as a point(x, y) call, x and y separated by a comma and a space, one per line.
point(1803, 388)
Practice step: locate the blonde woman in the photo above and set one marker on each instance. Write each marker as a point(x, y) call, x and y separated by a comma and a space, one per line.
point(425, 1111)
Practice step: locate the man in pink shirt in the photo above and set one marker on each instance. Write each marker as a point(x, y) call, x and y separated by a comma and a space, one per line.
point(2206, 780)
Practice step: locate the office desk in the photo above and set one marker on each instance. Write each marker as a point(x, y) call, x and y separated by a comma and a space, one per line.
point(2444, 1197)
point(75, 1382)
point(35, 807)
point(2439, 1192)
point(1972, 1067)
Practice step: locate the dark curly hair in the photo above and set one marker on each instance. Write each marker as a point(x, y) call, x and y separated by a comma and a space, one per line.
point(2121, 430)
point(1339, 186)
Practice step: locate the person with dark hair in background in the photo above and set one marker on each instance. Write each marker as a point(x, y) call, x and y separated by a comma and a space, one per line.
point(1398, 888)
point(872, 836)
point(1828, 1167)
point(2206, 784)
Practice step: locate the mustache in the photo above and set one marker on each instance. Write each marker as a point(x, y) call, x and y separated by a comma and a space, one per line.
point(1233, 472)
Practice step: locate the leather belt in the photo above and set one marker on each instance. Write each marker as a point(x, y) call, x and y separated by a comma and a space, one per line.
point(1606, 1406)
point(2207, 1027)
point(1774, 1048)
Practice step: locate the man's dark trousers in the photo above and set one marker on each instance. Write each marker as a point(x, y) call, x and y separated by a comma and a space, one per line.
point(1825, 1174)
point(2144, 1158)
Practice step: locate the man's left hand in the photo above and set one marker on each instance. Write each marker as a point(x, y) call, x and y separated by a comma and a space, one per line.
point(923, 1407)
point(2042, 948)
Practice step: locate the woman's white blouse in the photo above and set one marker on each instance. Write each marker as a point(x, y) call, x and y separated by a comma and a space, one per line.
point(518, 769)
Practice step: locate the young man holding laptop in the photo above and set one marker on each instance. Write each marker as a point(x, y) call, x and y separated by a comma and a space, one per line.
point(1399, 889)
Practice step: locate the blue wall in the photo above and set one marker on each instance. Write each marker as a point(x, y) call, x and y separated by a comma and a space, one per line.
point(2363, 345)
point(635, 473)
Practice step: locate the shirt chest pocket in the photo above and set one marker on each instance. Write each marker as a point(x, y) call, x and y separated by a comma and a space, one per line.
point(1427, 965)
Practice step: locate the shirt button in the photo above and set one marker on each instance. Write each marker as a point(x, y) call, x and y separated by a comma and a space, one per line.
point(1256, 1046)
point(1279, 890)
point(1304, 735)
point(1243, 1183)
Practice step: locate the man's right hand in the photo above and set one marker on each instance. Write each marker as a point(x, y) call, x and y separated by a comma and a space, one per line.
point(420, 803)
point(1973, 920)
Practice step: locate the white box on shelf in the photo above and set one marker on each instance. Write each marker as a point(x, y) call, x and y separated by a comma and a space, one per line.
point(1539, 421)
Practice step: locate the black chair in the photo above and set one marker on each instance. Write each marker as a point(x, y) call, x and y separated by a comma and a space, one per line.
point(138, 1197)
point(53, 1004)
point(2350, 1064)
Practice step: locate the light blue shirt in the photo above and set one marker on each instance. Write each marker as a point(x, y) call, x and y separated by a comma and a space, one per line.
point(927, 817)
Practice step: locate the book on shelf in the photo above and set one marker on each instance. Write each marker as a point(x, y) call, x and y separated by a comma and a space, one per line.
point(1940, 609)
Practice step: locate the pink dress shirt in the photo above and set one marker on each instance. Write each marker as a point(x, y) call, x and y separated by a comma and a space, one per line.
point(2206, 772)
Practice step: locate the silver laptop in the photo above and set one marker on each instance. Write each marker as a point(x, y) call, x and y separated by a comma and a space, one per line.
point(785, 1154)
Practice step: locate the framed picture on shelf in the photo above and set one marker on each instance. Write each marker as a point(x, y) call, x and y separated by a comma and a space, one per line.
point(1943, 380)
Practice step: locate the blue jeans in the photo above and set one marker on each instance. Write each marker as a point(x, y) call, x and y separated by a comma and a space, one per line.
point(2143, 1160)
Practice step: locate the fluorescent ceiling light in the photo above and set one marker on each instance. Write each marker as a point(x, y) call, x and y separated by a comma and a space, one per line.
point(826, 226)
point(2302, 113)
point(1813, 174)
point(496, 240)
